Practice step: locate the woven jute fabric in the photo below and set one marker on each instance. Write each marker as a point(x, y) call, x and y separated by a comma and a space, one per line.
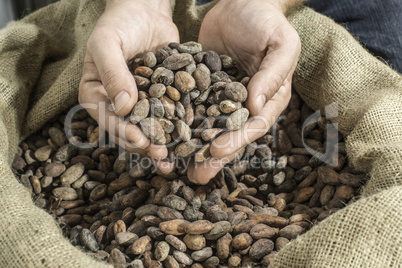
point(41, 61)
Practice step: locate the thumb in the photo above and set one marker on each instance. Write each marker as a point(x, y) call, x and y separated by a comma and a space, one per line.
point(263, 86)
point(277, 65)
point(115, 76)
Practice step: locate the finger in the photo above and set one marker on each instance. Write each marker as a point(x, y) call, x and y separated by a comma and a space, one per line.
point(256, 126)
point(127, 146)
point(157, 152)
point(93, 98)
point(281, 57)
point(165, 166)
point(203, 172)
point(107, 54)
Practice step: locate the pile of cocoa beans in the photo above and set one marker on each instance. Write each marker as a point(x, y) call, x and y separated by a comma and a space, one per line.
point(119, 209)
point(187, 98)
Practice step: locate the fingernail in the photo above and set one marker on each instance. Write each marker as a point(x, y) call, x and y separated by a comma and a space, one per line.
point(120, 100)
point(260, 101)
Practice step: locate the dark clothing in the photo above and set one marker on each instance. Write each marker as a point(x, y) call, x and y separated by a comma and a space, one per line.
point(376, 24)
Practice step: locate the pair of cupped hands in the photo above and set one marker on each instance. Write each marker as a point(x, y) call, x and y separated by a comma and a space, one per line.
point(255, 33)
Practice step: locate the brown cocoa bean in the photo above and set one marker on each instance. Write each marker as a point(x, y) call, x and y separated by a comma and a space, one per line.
point(262, 231)
point(176, 243)
point(298, 161)
point(184, 82)
point(162, 75)
point(140, 111)
point(213, 61)
point(140, 245)
point(237, 119)
point(202, 255)
point(162, 251)
point(170, 262)
point(142, 83)
point(173, 93)
point(174, 227)
point(177, 61)
point(261, 248)
point(328, 175)
point(326, 194)
point(291, 231)
point(212, 262)
point(144, 71)
point(149, 59)
point(303, 195)
point(242, 241)
point(344, 192)
point(65, 193)
point(183, 130)
point(223, 246)
point(153, 130)
point(188, 148)
point(167, 213)
point(229, 106)
point(182, 257)
point(350, 179)
point(236, 92)
point(126, 238)
point(199, 227)
point(283, 143)
point(202, 77)
point(194, 241)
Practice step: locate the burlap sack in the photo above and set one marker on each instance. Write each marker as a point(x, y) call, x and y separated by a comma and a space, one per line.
point(40, 67)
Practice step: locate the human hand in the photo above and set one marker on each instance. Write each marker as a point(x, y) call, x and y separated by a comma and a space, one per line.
point(126, 29)
point(264, 44)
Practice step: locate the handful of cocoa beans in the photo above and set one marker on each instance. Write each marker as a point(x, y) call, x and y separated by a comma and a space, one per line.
point(187, 97)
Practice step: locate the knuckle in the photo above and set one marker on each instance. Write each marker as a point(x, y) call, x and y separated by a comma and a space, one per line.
point(111, 82)
point(275, 82)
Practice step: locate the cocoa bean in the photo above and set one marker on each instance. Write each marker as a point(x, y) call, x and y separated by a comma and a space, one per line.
point(184, 82)
point(153, 130)
point(213, 61)
point(173, 93)
point(176, 243)
point(189, 47)
point(139, 246)
point(162, 75)
point(261, 248)
point(143, 71)
point(183, 130)
point(291, 231)
point(188, 148)
point(242, 241)
point(236, 92)
point(202, 77)
point(194, 241)
point(223, 246)
point(237, 119)
point(263, 231)
point(177, 61)
point(162, 251)
point(174, 227)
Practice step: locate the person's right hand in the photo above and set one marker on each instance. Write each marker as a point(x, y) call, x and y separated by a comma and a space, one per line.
point(126, 29)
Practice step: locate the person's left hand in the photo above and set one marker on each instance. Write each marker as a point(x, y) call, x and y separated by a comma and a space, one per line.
point(264, 44)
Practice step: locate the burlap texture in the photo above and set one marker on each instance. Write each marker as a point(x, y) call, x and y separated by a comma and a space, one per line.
point(41, 63)
point(40, 68)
